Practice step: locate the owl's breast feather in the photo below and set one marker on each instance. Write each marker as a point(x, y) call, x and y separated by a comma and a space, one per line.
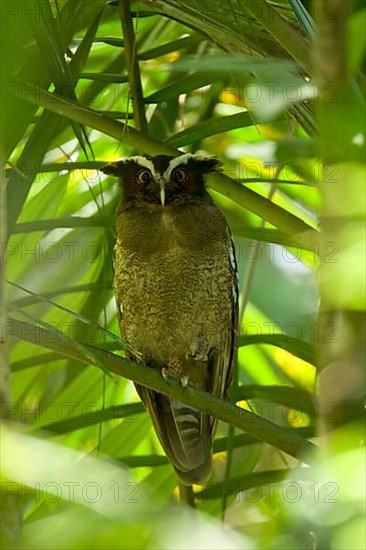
point(173, 279)
point(156, 230)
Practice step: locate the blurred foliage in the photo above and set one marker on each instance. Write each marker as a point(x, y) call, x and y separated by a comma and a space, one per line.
point(243, 80)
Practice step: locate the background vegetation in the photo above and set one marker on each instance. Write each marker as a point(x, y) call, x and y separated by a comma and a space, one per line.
point(276, 91)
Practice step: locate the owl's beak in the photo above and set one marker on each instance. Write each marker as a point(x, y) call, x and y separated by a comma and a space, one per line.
point(162, 191)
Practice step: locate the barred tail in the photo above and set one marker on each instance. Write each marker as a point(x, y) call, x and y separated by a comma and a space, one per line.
point(184, 433)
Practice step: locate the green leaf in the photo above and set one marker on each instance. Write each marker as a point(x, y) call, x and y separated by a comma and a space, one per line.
point(187, 84)
point(210, 127)
point(297, 347)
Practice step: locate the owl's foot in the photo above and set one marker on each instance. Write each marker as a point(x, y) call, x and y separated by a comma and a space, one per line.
point(166, 374)
point(175, 370)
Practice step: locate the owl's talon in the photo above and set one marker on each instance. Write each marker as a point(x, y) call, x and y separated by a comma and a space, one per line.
point(165, 373)
point(184, 381)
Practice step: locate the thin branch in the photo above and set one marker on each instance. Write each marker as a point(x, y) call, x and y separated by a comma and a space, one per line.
point(103, 123)
point(301, 233)
point(253, 424)
point(186, 495)
point(133, 69)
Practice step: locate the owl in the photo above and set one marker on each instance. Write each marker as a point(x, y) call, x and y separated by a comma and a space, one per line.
point(175, 281)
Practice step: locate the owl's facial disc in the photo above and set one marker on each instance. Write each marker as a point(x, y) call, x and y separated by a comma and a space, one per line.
point(163, 179)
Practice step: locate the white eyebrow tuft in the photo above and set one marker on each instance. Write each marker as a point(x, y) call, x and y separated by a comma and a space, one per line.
point(142, 161)
point(183, 159)
point(146, 163)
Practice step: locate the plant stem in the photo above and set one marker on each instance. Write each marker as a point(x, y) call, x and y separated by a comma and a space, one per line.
point(253, 424)
point(133, 70)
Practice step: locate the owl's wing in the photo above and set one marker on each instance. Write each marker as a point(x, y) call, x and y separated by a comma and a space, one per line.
point(224, 360)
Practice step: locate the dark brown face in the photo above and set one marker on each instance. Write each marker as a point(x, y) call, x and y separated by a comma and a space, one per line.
point(162, 179)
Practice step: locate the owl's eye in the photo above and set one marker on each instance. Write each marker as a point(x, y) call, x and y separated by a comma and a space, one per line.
point(143, 176)
point(179, 175)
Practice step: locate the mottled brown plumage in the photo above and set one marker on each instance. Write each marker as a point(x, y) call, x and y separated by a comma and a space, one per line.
point(176, 293)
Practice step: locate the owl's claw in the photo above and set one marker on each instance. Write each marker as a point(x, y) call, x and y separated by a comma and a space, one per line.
point(184, 381)
point(165, 373)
